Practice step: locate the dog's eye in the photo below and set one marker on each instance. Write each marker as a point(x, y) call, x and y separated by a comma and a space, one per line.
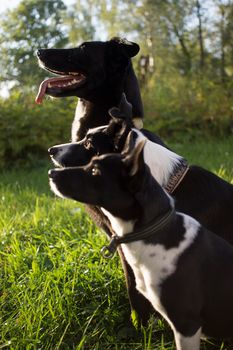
point(95, 170)
point(87, 144)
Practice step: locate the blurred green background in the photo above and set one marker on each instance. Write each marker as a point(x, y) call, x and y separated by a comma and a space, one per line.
point(185, 66)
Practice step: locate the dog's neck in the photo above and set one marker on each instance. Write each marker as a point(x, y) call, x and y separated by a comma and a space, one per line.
point(153, 202)
point(132, 92)
point(89, 115)
point(92, 112)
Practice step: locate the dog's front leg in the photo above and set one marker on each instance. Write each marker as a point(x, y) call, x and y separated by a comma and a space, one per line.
point(187, 343)
point(137, 301)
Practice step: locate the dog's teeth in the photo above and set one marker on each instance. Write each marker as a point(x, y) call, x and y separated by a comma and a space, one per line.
point(49, 85)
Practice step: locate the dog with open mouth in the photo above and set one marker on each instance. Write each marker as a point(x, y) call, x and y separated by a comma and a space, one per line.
point(181, 268)
point(96, 72)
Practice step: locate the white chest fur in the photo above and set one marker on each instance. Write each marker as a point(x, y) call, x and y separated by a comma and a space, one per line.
point(152, 264)
point(79, 114)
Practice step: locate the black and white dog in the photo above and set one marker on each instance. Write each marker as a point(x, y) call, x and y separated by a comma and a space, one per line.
point(201, 194)
point(197, 191)
point(184, 270)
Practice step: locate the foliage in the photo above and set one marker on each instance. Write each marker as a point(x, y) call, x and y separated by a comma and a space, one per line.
point(32, 25)
point(186, 77)
point(182, 106)
point(56, 291)
point(79, 21)
point(28, 130)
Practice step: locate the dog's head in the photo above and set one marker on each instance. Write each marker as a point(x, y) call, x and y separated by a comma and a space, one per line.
point(110, 138)
point(87, 70)
point(110, 181)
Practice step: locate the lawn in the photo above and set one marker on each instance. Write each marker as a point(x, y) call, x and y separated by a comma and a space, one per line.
point(56, 291)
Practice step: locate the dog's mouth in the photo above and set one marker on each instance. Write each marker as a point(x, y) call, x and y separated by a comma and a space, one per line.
point(56, 85)
point(57, 164)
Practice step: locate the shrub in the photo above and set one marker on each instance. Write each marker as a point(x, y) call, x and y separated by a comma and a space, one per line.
point(28, 130)
point(186, 106)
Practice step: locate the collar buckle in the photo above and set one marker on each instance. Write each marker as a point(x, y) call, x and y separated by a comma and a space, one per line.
point(107, 251)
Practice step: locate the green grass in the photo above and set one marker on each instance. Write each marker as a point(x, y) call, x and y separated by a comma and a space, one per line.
point(56, 291)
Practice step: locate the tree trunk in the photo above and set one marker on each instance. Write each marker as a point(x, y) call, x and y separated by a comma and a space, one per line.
point(222, 44)
point(200, 35)
point(183, 47)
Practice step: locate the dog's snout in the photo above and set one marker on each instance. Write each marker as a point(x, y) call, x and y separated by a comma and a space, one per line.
point(53, 151)
point(40, 53)
point(52, 173)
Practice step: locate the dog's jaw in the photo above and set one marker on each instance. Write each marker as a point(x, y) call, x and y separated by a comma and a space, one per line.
point(57, 85)
point(54, 189)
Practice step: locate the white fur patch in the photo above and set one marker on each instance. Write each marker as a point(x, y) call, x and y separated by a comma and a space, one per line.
point(79, 114)
point(160, 160)
point(119, 226)
point(138, 123)
point(152, 264)
point(157, 262)
point(187, 343)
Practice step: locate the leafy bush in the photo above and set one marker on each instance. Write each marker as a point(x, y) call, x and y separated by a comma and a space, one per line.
point(28, 130)
point(186, 106)
point(176, 107)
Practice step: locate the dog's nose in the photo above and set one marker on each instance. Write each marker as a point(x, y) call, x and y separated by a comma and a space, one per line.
point(53, 150)
point(40, 53)
point(52, 173)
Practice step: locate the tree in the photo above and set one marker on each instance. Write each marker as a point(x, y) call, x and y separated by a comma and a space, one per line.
point(31, 25)
point(80, 21)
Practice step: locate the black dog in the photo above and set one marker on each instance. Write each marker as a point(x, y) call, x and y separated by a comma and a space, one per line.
point(201, 194)
point(96, 72)
point(184, 270)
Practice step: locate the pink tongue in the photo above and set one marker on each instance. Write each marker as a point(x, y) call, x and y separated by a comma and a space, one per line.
point(44, 85)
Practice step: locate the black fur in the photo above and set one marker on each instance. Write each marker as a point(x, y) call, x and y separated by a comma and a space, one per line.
point(201, 194)
point(108, 72)
point(198, 293)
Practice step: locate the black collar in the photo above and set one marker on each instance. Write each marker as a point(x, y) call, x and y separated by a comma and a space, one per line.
point(146, 232)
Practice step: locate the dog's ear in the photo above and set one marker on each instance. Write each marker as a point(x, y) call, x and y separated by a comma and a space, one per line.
point(116, 113)
point(114, 127)
point(134, 161)
point(125, 107)
point(118, 130)
point(124, 111)
point(129, 47)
